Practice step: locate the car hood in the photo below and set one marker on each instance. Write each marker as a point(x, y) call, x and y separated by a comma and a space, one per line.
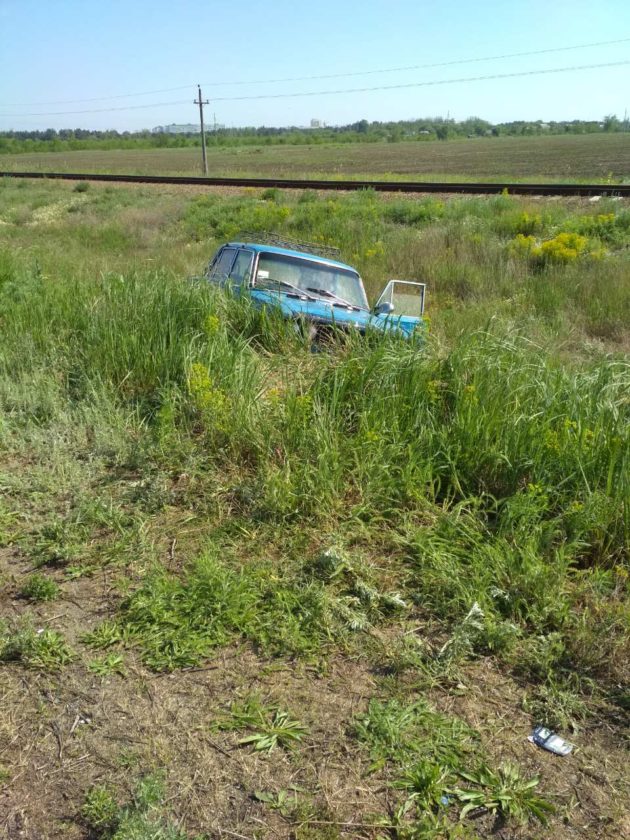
point(323, 312)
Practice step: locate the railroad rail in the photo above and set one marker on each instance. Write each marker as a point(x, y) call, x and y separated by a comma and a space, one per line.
point(310, 184)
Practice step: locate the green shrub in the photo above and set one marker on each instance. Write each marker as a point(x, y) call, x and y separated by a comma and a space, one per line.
point(397, 732)
point(504, 792)
point(413, 212)
point(39, 587)
point(141, 819)
point(178, 622)
point(100, 810)
point(44, 650)
point(269, 726)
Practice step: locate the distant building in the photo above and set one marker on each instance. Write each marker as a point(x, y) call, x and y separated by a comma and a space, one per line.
point(177, 128)
point(317, 124)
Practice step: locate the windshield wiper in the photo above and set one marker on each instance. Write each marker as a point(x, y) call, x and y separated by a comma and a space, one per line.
point(286, 285)
point(328, 294)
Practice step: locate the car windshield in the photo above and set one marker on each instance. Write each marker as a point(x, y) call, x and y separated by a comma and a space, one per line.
point(329, 281)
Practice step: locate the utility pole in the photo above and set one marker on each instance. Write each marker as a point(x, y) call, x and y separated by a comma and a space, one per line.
point(201, 102)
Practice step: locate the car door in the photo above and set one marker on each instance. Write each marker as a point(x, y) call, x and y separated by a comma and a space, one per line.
point(241, 272)
point(221, 266)
point(402, 298)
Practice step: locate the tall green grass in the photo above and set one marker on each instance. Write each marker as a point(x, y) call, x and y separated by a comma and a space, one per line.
point(379, 424)
point(501, 476)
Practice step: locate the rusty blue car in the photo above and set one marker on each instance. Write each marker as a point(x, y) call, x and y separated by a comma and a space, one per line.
point(310, 286)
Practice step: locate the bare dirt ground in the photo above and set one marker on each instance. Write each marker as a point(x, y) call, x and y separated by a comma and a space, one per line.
point(61, 734)
point(553, 158)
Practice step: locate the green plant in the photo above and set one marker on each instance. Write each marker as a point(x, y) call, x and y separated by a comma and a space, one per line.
point(285, 801)
point(43, 649)
point(397, 732)
point(424, 783)
point(100, 810)
point(177, 621)
point(57, 543)
point(105, 635)
point(281, 731)
point(270, 194)
point(141, 819)
point(557, 705)
point(272, 727)
point(113, 663)
point(504, 792)
point(7, 525)
point(39, 587)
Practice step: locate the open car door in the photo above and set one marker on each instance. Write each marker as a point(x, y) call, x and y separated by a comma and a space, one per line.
point(402, 297)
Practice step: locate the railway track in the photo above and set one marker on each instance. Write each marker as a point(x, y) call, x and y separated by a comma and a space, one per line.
point(379, 186)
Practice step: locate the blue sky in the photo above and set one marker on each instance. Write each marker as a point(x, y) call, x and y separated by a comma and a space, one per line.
point(80, 49)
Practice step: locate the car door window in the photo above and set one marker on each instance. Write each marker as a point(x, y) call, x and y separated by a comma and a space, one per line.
point(241, 270)
point(407, 297)
point(220, 271)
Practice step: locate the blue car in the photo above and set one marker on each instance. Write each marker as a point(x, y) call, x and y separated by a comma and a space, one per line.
point(314, 290)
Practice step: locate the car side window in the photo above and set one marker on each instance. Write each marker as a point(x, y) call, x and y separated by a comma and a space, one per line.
point(220, 271)
point(242, 268)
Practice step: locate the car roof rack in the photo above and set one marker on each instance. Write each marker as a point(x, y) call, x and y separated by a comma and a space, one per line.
point(267, 238)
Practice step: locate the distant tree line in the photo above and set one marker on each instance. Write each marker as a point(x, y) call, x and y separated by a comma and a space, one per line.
point(363, 131)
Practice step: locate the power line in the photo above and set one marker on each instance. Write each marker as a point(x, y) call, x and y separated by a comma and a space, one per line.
point(215, 84)
point(98, 110)
point(423, 84)
point(343, 91)
point(96, 98)
point(426, 66)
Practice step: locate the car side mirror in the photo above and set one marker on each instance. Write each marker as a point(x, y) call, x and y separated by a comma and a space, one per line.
point(385, 308)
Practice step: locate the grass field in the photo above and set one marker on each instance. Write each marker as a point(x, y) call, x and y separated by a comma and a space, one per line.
point(251, 591)
point(591, 157)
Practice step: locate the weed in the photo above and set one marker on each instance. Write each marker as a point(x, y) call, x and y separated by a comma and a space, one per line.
point(141, 819)
point(113, 663)
point(105, 635)
point(100, 810)
point(74, 572)
point(281, 731)
point(43, 649)
point(7, 526)
point(557, 705)
point(179, 622)
point(271, 726)
point(563, 249)
point(425, 783)
point(39, 587)
point(396, 732)
point(504, 792)
point(56, 544)
point(286, 802)
point(270, 194)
